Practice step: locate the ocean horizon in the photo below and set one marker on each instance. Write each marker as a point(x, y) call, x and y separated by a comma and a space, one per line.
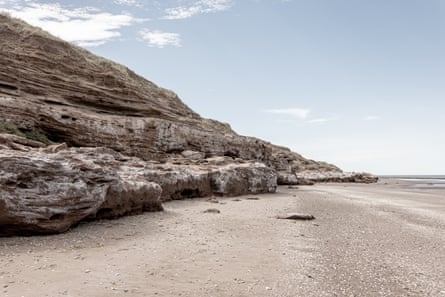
point(413, 176)
point(420, 181)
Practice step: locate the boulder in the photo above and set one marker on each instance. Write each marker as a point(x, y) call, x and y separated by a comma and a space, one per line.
point(43, 193)
point(285, 178)
point(240, 179)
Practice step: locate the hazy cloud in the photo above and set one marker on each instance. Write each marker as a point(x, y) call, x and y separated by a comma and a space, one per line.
point(300, 113)
point(160, 39)
point(86, 26)
point(371, 118)
point(321, 120)
point(128, 3)
point(195, 8)
point(3, 2)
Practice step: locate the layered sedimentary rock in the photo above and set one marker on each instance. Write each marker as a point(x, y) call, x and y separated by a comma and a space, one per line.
point(220, 176)
point(335, 177)
point(73, 96)
point(312, 177)
point(47, 190)
point(105, 142)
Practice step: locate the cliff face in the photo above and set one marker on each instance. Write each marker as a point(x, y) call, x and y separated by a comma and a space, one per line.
point(110, 142)
point(72, 96)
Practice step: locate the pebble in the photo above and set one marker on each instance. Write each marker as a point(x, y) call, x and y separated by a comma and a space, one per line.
point(212, 210)
point(296, 216)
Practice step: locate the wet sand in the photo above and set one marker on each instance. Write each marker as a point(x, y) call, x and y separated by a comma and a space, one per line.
point(386, 239)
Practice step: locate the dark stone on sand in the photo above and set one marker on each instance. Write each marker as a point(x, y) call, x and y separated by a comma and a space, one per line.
point(296, 216)
point(212, 210)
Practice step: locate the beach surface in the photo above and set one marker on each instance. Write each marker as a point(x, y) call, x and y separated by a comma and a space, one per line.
point(385, 239)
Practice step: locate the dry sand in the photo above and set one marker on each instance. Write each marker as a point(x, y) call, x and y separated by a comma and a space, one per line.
point(386, 239)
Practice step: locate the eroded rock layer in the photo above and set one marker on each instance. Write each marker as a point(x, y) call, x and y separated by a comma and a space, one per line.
point(48, 189)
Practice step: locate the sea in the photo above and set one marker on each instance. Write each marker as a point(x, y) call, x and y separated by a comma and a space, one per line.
point(420, 181)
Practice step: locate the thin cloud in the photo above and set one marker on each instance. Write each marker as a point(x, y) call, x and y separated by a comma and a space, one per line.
point(9, 2)
point(128, 3)
point(300, 113)
point(160, 39)
point(371, 118)
point(86, 26)
point(197, 7)
point(321, 120)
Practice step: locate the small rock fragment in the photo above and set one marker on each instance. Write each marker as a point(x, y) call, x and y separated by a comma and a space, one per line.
point(296, 216)
point(212, 200)
point(212, 210)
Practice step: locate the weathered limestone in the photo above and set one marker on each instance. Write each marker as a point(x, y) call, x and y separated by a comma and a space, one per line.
point(242, 179)
point(47, 190)
point(335, 177)
point(285, 178)
point(48, 193)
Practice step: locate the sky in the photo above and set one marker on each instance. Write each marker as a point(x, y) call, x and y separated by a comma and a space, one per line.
point(360, 84)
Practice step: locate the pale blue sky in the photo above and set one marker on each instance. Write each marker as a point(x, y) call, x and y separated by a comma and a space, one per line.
point(360, 84)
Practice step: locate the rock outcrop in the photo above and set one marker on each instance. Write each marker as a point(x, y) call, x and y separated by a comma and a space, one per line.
point(46, 190)
point(95, 140)
point(220, 176)
point(304, 178)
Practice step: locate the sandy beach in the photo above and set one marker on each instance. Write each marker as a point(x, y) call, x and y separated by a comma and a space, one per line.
point(385, 239)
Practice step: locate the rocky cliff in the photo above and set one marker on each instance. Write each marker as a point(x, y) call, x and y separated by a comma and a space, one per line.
point(127, 143)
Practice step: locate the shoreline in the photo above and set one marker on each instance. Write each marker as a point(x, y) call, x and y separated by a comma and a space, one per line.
point(368, 240)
